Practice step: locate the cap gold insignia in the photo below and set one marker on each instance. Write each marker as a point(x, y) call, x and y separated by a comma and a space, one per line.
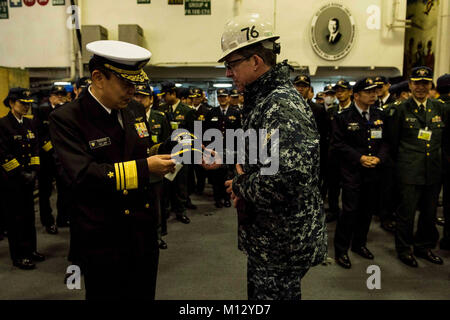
point(423, 72)
point(369, 81)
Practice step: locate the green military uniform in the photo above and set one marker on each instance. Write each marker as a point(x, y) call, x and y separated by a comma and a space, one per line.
point(333, 179)
point(389, 196)
point(159, 126)
point(416, 138)
point(182, 117)
point(160, 132)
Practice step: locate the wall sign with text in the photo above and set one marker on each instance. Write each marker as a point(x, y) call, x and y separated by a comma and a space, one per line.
point(15, 3)
point(4, 9)
point(332, 32)
point(197, 7)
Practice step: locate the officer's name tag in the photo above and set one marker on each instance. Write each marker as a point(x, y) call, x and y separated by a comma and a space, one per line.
point(424, 135)
point(17, 137)
point(353, 126)
point(215, 119)
point(99, 143)
point(174, 125)
point(376, 134)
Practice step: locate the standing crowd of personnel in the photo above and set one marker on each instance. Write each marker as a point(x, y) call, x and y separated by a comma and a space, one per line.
point(29, 159)
point(385, 149)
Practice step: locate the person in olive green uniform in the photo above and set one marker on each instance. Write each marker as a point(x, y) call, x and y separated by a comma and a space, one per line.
point(333, 176)
point(159, 131)
point(443, 87)
point(201, 109)
point(222, 118)
point(416, 132)
point(179, 116)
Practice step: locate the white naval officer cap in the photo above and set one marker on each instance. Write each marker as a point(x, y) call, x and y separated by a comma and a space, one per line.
point(124, 59)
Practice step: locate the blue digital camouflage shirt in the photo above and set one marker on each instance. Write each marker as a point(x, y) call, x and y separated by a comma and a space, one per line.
point(288, 227)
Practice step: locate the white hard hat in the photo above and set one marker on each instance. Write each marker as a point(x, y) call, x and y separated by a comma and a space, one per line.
point(245, 30)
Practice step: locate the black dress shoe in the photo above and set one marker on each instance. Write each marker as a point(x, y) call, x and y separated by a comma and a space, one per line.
point(51, 229)
point(344, 261)
point(36, 256)
point(218, 204)
point(388, 226)
point(440, 221)
point(162, 244)
point(409, 260)
point(428, 255)
point(227, 203)
point(363, 252)
point(24, 264)
point(183, 219)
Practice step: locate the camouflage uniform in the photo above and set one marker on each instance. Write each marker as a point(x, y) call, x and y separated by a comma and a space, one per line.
point(284, 233)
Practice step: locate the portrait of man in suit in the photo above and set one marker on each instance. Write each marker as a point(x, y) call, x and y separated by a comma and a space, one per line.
point(333, 28)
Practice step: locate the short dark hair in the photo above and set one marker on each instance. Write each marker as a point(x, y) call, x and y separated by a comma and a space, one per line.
point(95, 65)
point(269, 56)
point(337, 22)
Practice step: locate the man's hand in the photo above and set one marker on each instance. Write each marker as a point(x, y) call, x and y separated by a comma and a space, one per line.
point(369, 161)
point(375, 161)
point(239, 169)
point(210, 160)
point(234, 198)
point(161, 164)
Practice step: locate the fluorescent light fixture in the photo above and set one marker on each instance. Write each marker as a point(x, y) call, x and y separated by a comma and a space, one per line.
point(222, 85)
point(178, 85)
point(352, 83)
point(62, 84)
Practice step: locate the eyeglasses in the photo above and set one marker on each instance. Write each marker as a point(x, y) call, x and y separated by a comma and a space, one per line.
point(231, 64)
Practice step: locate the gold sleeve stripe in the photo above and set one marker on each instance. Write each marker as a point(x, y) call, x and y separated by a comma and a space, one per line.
point(11, 165)
point(154, 149)
point(48, 146)
point(35, 161)
point(122, 176)
point(131, 178)
point(126, 175)
point(116, 167)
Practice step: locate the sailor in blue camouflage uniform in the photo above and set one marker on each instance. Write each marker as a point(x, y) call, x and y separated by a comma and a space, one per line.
point(284, 233)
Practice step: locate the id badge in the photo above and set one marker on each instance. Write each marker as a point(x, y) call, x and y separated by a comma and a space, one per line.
point(424, 135)
point(376, 134)
point(174, 125)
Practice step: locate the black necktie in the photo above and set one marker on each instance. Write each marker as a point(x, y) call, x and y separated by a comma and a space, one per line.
point(365, 115)
point(115, 118)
